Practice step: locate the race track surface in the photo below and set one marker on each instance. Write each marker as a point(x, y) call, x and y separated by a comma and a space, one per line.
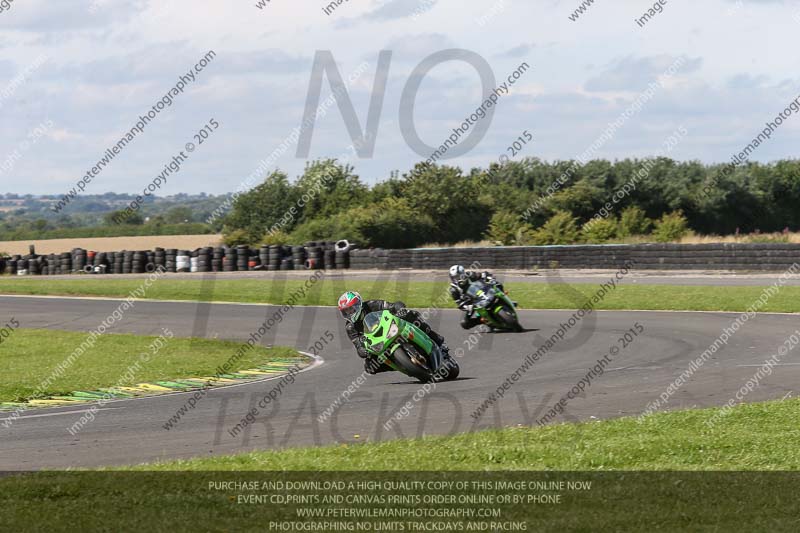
point(131, 431)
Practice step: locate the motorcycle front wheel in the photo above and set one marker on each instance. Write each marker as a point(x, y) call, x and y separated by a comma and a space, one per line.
point(509, 319)
point(408, 367)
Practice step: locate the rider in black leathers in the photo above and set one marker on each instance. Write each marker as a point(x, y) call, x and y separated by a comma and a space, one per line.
point(460, 280)
point(355, 326)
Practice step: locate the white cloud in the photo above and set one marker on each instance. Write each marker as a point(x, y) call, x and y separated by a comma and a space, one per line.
point(109, 66)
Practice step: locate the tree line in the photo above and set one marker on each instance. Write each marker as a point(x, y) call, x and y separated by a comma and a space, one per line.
point(601, 201)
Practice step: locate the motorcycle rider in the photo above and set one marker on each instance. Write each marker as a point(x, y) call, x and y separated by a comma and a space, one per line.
point(353, 309)
point(460, 280)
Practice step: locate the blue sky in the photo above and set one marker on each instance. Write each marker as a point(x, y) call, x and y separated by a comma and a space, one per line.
point(105, 65)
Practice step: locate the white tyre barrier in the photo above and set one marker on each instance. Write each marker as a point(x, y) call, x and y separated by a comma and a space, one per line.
point(343, 245)
point(183, 263)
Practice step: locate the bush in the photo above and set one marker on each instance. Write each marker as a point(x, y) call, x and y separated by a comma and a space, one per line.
point(318, 229)
point(237, 237)
point(526, 235)
point(276, 237)
point(633, 221)
point(392, 223)
point(561, 228)
point(599, 230)
point(671, 227)
point(503, 228)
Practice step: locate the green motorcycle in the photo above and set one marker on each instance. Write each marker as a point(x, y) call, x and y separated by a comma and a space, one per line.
point(405, 348)
point(494, 307)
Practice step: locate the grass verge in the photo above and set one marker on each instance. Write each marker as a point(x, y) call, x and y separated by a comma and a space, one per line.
point(234, 493)
point(757, 436)
point(28, 356)
point(420, 294)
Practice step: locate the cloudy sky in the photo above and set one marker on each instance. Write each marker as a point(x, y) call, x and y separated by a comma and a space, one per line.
point(89, 68)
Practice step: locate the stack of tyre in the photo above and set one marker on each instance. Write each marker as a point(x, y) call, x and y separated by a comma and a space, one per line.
point(342, 254)
point(78, 260)
point(183, 261)
point(11, 265)
point(321, 255)
point(287, 260)
point(98, 263)
point(138, 262)
point(170, 259)
point(313, 255)
point(48, 263)
point(117, 260)
point(229, 260)
point(160, 258)
point(314, 258)
point(254, 260)
point(204, 259)
point(217, 254)
point(65, 263)
point(273, 257)
point(22, 266)
point(242, 257)
point(299, 256)
point(127, 261)
point(263, 257)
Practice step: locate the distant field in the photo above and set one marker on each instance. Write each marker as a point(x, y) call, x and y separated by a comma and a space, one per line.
point(111, 244)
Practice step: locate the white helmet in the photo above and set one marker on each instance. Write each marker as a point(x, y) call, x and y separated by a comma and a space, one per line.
point(457, 273)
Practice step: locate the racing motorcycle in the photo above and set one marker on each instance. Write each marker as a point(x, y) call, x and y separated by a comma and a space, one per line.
point(405, 348)
point(493, 306)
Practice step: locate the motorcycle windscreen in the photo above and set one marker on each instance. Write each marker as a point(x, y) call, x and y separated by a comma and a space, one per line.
point(481, 294)
point(372, 321)
point(476, 290)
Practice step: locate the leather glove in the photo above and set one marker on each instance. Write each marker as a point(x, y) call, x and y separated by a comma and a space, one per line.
point(361, 349)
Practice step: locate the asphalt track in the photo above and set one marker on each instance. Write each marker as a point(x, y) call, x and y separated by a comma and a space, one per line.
point(131, 431)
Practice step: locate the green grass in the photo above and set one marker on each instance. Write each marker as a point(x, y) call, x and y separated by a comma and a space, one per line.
point(417, 294)
point(679, 488)
point(29, 356)
point(758, 436)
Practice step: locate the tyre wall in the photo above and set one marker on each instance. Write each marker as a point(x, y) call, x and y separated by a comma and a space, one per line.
point(727, 256)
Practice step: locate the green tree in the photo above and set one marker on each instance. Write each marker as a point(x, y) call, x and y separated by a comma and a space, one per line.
point(633, 221)
point(123, 217)
point(582, 200)
point(599, 230)
point(671, 227)
point(178, 214)
point(392, 223)
point(273, 203)
point(561, 228)
point(327, 188)
point(452, 201)
point(237, 237)
point(503, 228)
